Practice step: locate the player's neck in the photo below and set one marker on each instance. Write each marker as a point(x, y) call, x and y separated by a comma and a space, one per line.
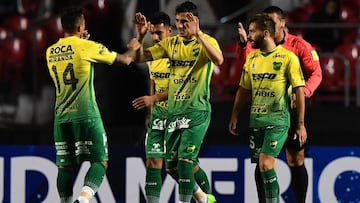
point(280, 38)
point(268, 46)
point(71, 34)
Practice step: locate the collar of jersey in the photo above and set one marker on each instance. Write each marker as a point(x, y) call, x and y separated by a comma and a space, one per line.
point(186, 42)
point(265, 54)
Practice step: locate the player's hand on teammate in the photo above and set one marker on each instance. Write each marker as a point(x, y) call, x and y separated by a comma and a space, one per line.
point(134, 44)
point(142, 102)
point(130, 55)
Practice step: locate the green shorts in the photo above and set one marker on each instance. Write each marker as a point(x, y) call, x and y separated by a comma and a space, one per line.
point(184, 136)
point(155, 135)
point(80, 141)
point(269, 140)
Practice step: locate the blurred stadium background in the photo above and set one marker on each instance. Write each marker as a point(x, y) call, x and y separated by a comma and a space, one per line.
point(27, 27)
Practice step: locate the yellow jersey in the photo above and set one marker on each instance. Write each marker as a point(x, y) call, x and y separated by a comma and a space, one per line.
point(190, 73)
point(70, 63)
point(269, 76)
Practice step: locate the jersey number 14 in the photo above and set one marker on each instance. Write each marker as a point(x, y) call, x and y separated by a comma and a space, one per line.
point(68, 76)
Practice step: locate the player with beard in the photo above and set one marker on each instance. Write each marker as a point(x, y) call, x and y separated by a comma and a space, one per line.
point(268, 73)
point(309, 60)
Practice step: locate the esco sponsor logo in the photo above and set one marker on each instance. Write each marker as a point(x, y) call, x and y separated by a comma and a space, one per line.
point(160, 75)
point(182, 63)
point(262, 76)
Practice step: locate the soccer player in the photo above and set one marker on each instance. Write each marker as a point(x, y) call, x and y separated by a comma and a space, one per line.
point(268, 73)
point(159, 82)
point(309, 60)
point(192, 55)
point(79, 133)
point(159, 72)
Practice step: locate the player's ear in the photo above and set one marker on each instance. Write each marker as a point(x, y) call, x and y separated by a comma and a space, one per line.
point(282, 23)
point(266, 33)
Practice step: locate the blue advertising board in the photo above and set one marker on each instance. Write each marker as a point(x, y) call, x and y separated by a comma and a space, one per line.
point(28, 174)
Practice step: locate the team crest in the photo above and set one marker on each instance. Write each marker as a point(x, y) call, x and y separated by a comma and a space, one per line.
point(102, 50)
point(190, 148)
point(195, 52)
point(273, 144)
point(277, 65)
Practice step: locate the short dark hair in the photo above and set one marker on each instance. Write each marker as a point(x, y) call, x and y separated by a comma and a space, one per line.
point(160, 17)
point(264, 22)
point(187, 6)
point(70, 18)
point(275, 9)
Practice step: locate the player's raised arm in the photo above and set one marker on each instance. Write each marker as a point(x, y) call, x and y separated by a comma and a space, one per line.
point(127, 57)
point(141, 27)
point(193, 26)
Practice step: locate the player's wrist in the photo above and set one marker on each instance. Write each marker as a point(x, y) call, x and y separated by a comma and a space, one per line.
point(199, 34)
point(155, 98)
point(140, 37)
point(242, 44)
point(301, 123)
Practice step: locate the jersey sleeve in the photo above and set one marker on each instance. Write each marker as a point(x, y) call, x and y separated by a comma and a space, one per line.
point(310, 64)
point(213, 42)
point(295, 76)
point(97, 53)
point(245, 80)
point(243, 52)
point(158, 51)
point(149, 64)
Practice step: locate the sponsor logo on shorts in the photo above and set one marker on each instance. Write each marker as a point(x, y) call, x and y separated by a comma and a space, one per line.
point(158, 124)
point(270, 180)
point(178, 124)
point(156, 147)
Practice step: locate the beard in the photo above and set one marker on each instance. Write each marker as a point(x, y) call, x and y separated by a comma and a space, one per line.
point(258, 42)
